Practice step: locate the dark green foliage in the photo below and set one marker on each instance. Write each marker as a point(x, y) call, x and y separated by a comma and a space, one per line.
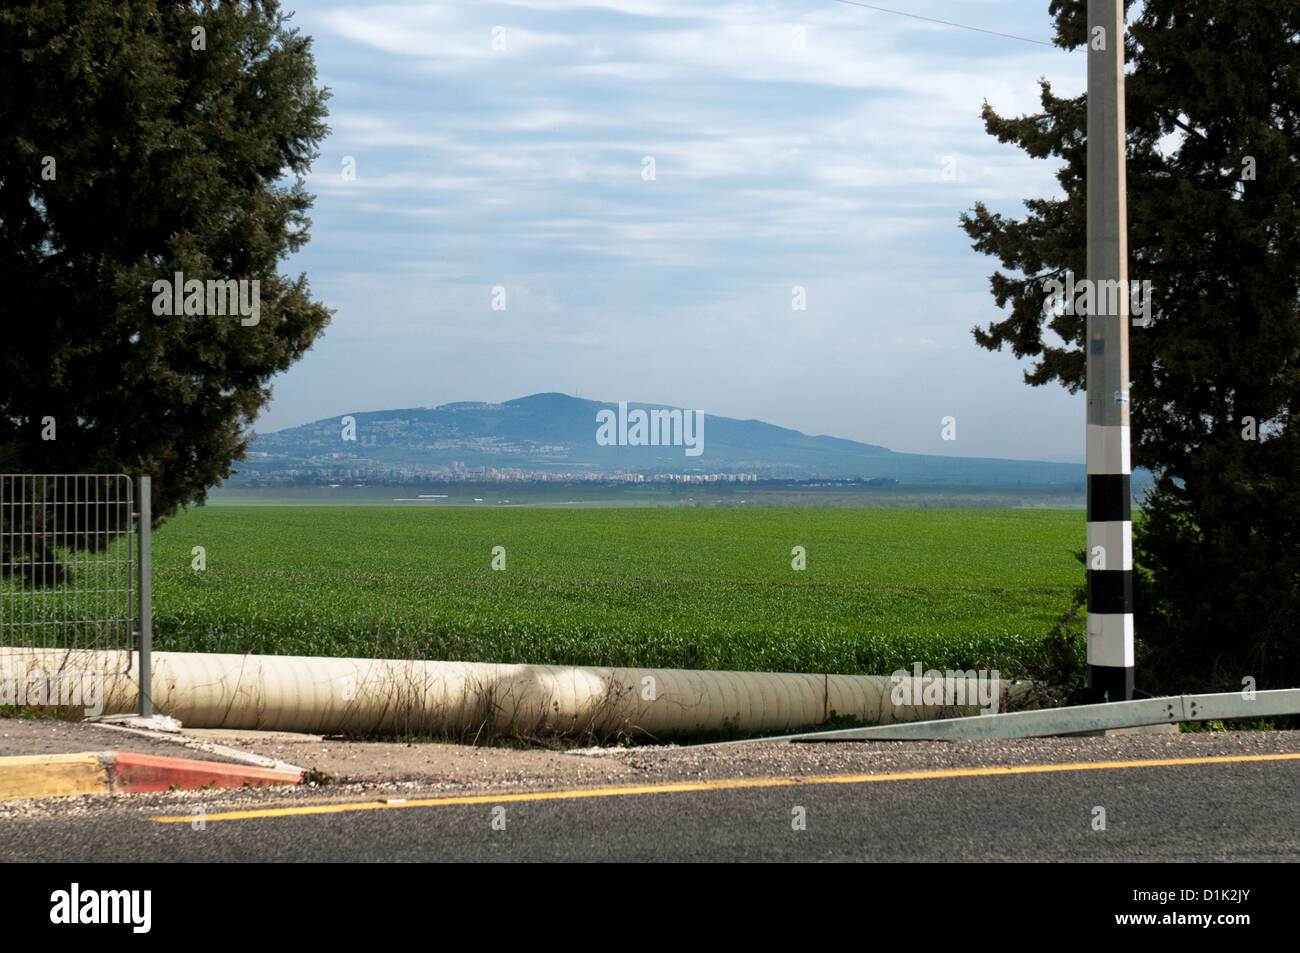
point(1218, 591)
point(166, 159)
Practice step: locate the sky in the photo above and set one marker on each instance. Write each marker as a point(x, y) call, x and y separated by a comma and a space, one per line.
point(642, 186)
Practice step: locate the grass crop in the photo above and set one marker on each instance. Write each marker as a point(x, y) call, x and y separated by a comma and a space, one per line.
point(883, 588)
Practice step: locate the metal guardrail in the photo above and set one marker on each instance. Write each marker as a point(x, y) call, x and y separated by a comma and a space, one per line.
point(75, 565)
point(1077, 719)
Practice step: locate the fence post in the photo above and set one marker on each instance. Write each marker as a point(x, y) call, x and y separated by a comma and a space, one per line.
point(146, 597)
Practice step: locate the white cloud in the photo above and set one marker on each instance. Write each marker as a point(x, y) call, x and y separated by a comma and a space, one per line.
point(774, 167)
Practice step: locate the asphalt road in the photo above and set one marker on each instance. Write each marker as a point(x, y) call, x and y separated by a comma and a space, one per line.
point(1025, 810)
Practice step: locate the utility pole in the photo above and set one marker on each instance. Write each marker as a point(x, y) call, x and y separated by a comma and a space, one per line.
point(1110, 527)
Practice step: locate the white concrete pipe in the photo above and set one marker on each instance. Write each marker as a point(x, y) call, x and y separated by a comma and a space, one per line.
point(368, 696)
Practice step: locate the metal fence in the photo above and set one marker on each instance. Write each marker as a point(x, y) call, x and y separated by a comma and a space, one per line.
point(75, 565)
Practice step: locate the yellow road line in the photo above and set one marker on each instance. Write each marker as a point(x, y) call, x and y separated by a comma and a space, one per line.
point(727, 784)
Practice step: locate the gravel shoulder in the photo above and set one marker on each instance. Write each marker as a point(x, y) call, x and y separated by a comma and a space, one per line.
point(373, 762)
point(350, 770)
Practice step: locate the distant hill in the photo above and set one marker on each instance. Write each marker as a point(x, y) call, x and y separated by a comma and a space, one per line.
point(557, 434)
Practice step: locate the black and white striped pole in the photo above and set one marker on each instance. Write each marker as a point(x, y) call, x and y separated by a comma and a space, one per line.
point(1109, 536)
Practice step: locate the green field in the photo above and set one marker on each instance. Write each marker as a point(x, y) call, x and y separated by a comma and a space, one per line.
point(708, 588)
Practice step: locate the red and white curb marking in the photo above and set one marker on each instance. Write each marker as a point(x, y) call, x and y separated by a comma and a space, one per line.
point(105, 772)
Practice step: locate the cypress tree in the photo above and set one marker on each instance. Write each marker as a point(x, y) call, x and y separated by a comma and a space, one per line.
point(1213, 174)
point(138, 140)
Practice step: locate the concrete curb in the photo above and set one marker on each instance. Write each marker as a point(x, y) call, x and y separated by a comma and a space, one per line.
point(177, 736)
point(117, 772)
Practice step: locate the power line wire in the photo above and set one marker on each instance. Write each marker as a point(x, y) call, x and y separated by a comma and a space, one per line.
point(917, 16)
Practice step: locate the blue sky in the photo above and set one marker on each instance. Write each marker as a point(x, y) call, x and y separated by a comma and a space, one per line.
point(840, 167)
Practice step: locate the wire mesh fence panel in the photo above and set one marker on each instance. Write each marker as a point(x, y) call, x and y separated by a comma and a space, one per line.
point(68, 570)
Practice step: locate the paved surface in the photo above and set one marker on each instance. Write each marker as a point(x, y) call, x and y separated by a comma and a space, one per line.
point(24, 736)
point(1006, 800)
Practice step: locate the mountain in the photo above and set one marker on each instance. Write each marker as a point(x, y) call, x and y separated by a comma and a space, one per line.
point(558, 434)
